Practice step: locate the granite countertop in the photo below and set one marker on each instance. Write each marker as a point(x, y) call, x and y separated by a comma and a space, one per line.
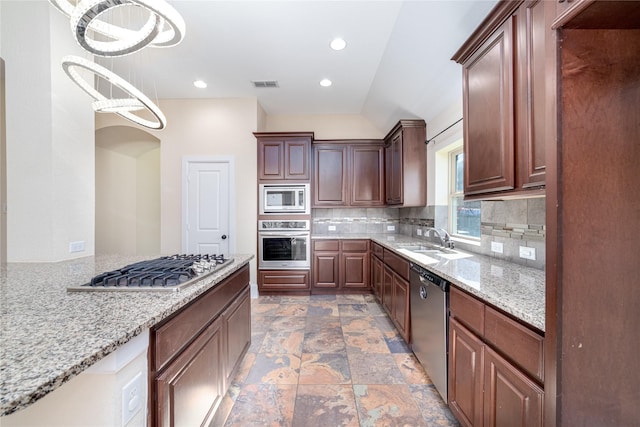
point(49, 335)
point(513, 288)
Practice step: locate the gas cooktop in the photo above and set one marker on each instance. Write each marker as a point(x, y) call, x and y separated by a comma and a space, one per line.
point(169, 273)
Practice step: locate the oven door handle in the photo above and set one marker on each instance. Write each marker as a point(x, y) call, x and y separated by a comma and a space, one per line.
point(284, 234)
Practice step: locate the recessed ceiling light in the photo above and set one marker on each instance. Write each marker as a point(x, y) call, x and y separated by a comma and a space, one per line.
point(338, 44)
point(200, 84)
point(325, 82)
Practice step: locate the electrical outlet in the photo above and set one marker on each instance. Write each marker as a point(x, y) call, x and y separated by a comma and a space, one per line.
point(332, 228)
point(131, 398)
point(419, 232)
point(497, 247)
point(528, 253)
point(76, 246)
point(391, 228)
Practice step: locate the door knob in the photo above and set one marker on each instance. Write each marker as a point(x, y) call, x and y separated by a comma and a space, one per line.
point(224, 237)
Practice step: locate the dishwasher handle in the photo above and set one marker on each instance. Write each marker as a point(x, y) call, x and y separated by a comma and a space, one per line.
point(423, 291)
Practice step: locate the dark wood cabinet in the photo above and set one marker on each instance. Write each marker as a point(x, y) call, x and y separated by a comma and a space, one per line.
point(330, 175)
point(377, 270)
point(284, 156)
point(348, 173)
point(406, 164)
point(295, 281)
point(505, 100)
point(510, 398)
point(495, 366)
point(465, 375)
point(194, 353)
point(341, 265)
point(367, 175)
point(395, 292)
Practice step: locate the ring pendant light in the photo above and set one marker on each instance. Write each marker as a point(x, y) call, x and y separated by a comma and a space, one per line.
point(70, 62)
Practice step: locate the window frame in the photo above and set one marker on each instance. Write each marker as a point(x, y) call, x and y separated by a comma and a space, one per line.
point(453, 194)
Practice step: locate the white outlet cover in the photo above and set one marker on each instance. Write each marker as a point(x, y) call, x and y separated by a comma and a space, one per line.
point(391, 227)
point(332, 228)
point(497, 247)
point(131, 398)
point(528, 253)
point(419, 232)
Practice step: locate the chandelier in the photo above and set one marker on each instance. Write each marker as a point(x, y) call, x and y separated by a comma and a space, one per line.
point(163, 28)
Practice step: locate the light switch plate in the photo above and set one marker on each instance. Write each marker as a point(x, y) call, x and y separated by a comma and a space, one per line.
point(528, 253)
point(76, 246)
point(419, 232)
point(331, 228)
point(497, 247)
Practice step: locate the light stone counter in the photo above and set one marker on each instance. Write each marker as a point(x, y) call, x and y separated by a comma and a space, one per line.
point(515, 289)
point(49, 335)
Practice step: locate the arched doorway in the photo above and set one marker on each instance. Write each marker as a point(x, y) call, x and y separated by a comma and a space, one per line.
point(127, 192)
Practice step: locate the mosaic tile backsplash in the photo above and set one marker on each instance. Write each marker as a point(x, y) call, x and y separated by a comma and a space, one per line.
point(513, 223)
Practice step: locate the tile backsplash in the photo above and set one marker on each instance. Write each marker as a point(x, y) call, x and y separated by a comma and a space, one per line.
point(355, 221)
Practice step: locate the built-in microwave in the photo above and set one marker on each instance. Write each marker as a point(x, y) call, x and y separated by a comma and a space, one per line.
point(284, 198)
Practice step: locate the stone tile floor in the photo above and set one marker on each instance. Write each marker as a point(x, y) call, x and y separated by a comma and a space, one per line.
point(329, 361)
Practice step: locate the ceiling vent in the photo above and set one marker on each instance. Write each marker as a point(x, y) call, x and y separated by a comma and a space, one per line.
point(265, 84)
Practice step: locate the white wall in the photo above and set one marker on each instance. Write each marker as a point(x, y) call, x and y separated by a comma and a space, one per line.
point(49, 138)
point(327, 126)
point(206, 127)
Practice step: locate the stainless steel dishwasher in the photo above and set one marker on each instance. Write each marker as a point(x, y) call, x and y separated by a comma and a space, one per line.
point(429, 324)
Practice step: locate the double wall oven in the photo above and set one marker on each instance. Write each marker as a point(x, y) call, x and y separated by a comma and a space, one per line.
point(284, 244)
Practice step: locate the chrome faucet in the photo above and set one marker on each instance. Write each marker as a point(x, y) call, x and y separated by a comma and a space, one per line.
point(443, 236)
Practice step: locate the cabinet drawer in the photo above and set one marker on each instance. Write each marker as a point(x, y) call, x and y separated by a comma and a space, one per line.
point(397, 264)
point(326, 245)
point(271, 280)
point(355, 245)
point(467, 309)
point(377, 250)
point(178, 331)
point(515, 341)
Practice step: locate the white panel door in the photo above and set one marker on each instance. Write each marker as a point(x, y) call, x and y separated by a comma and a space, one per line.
point(207, 207)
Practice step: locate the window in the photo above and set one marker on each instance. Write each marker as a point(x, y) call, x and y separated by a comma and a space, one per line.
point(464, 217)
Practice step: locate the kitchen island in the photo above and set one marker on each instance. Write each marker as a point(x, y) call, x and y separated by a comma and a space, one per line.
point(50, 335)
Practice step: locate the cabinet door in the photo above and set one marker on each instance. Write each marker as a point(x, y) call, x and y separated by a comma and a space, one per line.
point(355, 270)
point(192, 386)
point(326, 270)
point(488, 113)
point(387, 289)
point(465, 375)
point(270, 159)
point(296, 159)
point(400, 310)
point(330, 175)
point(237, 320)
point(510, 398)
point(530, 93)
point(394, 173)
point(377, 273)
point(367, 176)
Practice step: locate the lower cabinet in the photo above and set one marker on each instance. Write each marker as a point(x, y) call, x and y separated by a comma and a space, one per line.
point(489, 384)
point(194, 354)
point(341, 265)
point(377, 276)
point(391, 286)
point(283, 280)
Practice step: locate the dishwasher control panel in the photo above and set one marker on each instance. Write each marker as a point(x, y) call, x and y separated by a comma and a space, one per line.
point(431, 277)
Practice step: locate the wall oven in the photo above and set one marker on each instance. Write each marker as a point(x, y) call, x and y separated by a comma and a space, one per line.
point(284, 245)
point(284, 198)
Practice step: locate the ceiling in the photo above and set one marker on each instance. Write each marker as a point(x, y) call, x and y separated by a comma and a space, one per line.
point(396, 63)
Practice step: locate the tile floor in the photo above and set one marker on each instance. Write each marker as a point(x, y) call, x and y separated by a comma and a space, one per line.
point(330, 361)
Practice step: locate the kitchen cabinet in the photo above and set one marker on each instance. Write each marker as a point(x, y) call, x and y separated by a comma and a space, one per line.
point(505, 100)
point(395, 292)
point(377, 270)
point(290, 281)
point(495, 366)
point(194, 353)
point(284, 156)
point(348, 173)
point(341, 265)
point(406, 164)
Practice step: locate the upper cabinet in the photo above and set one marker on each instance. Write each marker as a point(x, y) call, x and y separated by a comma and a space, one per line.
point(284, 156)
point(505, 105)
point(348, 173)
point(406, 164)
